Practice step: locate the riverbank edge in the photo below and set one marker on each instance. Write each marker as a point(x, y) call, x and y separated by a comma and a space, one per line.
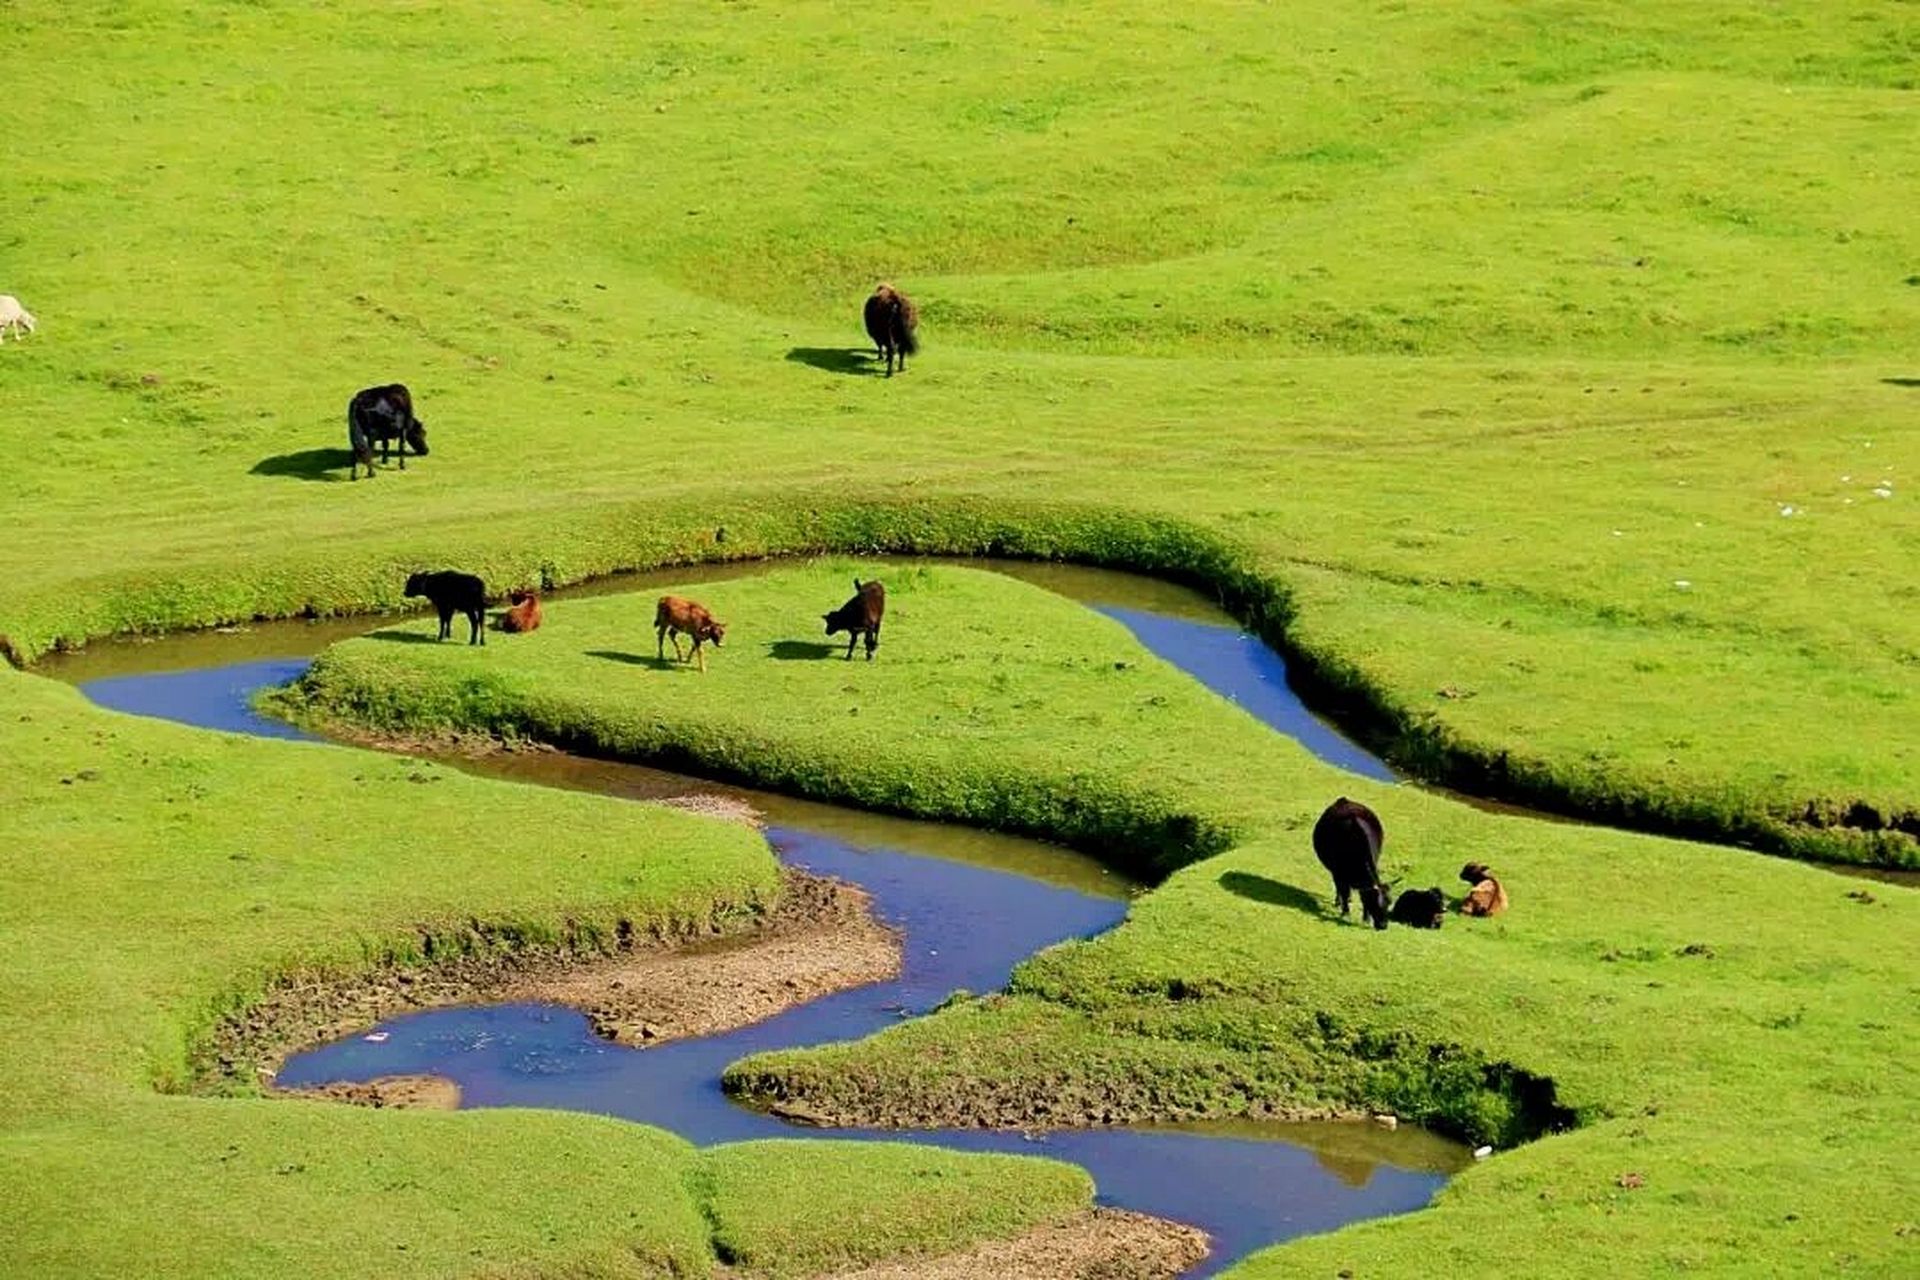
point(1848, 830)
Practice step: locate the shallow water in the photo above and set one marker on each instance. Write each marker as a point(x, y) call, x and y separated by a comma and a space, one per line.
point(971, 905)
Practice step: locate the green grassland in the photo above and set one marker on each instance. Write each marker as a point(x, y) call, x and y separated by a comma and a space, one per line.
point(1731, 1028)
point(1470, 329)
point(158, 877)
point(1446, 341)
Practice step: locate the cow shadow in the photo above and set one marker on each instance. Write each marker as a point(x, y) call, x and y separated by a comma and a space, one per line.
point(1902, 382)
point(802, 650)
point(633, 659)
point(405, 637)
point(307, 464)
point(1270, 892)
point(852, 361)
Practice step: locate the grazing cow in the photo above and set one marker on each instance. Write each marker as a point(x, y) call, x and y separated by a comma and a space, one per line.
point(382, 415)
point(1488, 897)
point(1420, 908)
point(14, 317)
point(451, 592)
point(891, 320)
point(525, 614)
point(675, 615)
point(860, 616)
point(1347, 839)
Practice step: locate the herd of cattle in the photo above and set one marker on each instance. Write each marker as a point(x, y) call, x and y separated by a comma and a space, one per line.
point(1347, 839)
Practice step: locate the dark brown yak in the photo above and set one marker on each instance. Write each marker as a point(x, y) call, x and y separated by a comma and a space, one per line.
point(891, 321)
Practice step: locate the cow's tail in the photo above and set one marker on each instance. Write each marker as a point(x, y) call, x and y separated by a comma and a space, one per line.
point(904, 336)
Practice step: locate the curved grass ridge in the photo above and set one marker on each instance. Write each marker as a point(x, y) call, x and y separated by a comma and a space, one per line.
point(1704, 801)
point(1680, 1025)
point(161, 879)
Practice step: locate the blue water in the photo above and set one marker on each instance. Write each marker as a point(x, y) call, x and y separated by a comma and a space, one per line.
point(963, 926)
point(1243, 670)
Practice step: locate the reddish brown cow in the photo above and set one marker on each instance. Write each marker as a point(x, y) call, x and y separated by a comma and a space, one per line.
point(525, 614)
point(1488, 897)
point(677, 615)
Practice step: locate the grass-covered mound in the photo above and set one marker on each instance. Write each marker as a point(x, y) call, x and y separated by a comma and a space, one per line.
point(1551, 352)
point(157, 877)
point(1727, 1032)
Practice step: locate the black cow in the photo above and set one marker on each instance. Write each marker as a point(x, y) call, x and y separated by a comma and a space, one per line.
point(451, 592)
point(382, 415)
point(1347, 840)
point(891, 319)
point(860, 616)
point(1420, 908)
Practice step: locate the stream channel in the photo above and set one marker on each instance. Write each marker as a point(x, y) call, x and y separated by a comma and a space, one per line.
point(970, 906)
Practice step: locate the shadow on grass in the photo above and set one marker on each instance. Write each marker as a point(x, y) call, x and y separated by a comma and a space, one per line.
point(633, 659)
point(403, 637)
point(1270, 892)
point(853, 361)
point(1902, 382)
point(801, 650)
point(308, 464)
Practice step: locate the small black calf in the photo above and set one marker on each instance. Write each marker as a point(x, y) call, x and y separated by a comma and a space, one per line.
point(453, 592)
point(1420, 908)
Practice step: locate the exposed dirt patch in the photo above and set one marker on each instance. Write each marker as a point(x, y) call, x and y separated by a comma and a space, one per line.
point(1104, 1244)
point(425, 1093)
point(710, 805)
point(819, 937)
point(826, 942)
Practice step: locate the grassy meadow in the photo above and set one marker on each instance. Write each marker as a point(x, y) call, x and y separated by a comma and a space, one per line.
point(1728, 1027)
point(1541, 375)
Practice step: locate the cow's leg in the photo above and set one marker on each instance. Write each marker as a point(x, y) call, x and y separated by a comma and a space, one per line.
point(476, 634)
point(446, 620)
point(660, 644)
point(1341, 892)
point(700, 654)
point(853, 638)
point(873, 642)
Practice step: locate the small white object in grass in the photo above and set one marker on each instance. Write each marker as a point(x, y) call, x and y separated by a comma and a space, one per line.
point(1788, 509)
point(1618, 534)
point(1386, 1121)
point(1884, 491)
point(375, 1037)
point(1682, 584)
point(1481, 1153)
point(1846, 479)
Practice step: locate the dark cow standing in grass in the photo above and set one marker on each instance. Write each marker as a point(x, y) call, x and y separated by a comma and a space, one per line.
point(891, 320)
point(1347, 840)
point(677, 615)
point(382, 415)
point(860, 616)
point(453, 592)
point(1420, 908)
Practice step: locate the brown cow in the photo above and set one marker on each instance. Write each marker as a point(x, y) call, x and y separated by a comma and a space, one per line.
point(525, 614)
point(676, 615)
point(1487, 897)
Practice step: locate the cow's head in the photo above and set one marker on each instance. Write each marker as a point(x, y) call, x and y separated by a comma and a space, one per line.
point(520, 595)
point(415, 584)
point(416, 432)
point(1373, 903)
point(833, 621)
point(1475, 872)
point(716, 632)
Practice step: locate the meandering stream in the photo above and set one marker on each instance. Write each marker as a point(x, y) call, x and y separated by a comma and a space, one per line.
point(970, 906)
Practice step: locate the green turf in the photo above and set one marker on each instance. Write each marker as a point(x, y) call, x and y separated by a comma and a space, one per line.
point(1449, 340)
point(1731, 1028)
point(1478, 327)
point(157, 876)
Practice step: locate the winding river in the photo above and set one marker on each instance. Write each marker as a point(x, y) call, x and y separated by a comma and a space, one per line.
point(970, 906)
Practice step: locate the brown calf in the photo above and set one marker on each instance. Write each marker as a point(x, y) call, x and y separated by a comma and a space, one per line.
point(676, 615)
point(525, 614)
point(1487, 897)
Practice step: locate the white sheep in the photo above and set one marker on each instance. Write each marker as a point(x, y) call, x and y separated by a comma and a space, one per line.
point(15, 317)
